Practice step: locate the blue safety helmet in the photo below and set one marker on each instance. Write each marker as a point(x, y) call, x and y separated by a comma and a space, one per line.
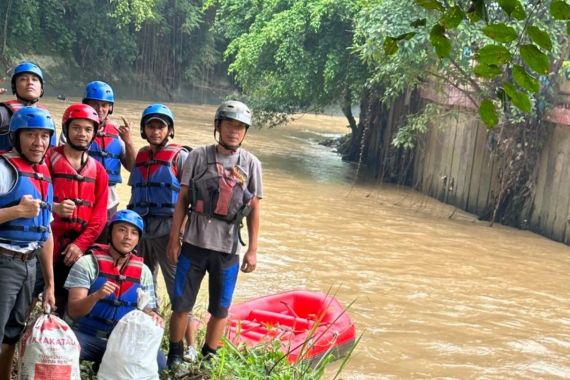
point(159, 111)
point(29, 118)
point(101, 91)
point(27, 67)
point(128, 216)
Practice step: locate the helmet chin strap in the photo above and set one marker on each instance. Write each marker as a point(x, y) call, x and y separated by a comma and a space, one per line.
point(27, 101)
point(121, 253)
point(77, 147)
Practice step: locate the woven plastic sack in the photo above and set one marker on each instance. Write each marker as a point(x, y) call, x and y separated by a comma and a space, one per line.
point(49, 350)
point(133, 347)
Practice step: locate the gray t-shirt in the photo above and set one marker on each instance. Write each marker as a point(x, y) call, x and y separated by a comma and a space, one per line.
point(213, 233)
point(158, 226)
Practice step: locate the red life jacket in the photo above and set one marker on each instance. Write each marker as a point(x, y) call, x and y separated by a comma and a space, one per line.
point(15, 105)
point(154, 181)
point(79, 187)
point(108, 311)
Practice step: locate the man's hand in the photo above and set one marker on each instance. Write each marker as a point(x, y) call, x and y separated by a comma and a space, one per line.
point(29, 207)
point(3, 91)
point(157, 319)
point(125, 131)
point(106, 290)
point(48, 300)
point(65, 209)
point(71, 254)
point(249, 261)
point(173, 251)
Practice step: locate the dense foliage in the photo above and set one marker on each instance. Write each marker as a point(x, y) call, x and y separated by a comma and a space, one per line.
point(161, 44)
point(294, 56)
point(505, 51)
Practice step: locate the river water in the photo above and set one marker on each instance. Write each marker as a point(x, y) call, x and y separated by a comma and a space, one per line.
point(436, 293)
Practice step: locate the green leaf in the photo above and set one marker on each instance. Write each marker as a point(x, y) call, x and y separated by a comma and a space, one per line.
point(419, 22)
point(560, 10)
point(487, 71)
point(519, 99)
point(500, 32)
point(513, 8)
point(405, 36)
point(535, 59)
point(488, 113)
point(440, 42)
point(525, 80)
point(390, 46)
point(568, 27)
point(493, 55)
point(431, 5)
point(540, 37)
point(508, 6)
point(519, 12)
point(452, 18)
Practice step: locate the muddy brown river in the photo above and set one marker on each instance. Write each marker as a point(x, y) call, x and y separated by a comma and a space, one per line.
point(433, 296)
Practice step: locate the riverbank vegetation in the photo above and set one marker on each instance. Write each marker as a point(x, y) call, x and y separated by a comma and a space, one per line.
point(265, 361)
point(369, 59)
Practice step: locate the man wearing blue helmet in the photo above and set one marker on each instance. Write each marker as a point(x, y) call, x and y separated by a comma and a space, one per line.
point(103, 287)
point(26, 197)
point(28, 86)
point(113, 144)
point(221, 185)
point(155, 183)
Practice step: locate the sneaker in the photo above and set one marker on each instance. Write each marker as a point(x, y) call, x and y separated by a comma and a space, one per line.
point(190, 355)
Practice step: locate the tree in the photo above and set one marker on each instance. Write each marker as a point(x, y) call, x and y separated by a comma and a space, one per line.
point(504, 56)
point(515, 43)
point(292, 56)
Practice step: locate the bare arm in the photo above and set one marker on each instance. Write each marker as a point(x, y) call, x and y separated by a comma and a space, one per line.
point(27, 208)
point(253, 220)
point(182, 204)
point(128, 160)
point(80, 302)
point(46, 262)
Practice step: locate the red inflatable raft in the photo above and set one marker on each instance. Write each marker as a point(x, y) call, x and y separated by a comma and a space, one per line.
point(308, 324)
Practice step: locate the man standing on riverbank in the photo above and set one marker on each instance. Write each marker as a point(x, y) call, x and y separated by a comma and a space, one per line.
point(155, 184)
point(222, 184)
point(28, 86)
point(26, 197)
point(113, 144)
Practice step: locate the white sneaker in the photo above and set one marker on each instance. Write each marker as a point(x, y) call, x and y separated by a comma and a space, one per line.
point(190, 355)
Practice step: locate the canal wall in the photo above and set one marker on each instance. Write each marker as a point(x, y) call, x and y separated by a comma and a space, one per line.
point(455, 162)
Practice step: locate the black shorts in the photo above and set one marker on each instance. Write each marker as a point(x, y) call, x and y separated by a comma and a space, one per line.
point(192, 265)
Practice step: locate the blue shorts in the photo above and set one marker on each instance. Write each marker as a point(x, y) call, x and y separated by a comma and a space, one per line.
point(192, 265)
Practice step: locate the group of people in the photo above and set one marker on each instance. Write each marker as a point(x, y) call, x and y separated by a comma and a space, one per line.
point(61, 234)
